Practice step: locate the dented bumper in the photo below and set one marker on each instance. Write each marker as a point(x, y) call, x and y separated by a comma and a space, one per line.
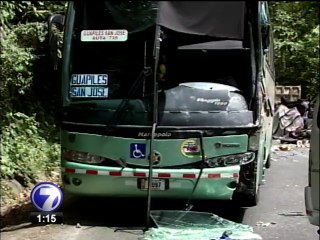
point(213, 183)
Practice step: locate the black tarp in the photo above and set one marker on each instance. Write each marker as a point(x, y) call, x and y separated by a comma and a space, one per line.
point(208, 18)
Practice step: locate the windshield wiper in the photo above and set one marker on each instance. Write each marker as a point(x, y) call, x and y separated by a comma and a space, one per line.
point(145, 72)
point(125, 101)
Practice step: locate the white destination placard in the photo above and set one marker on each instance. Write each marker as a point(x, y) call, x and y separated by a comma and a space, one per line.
point(88, 92)
point(120, 35)
point(89, 79)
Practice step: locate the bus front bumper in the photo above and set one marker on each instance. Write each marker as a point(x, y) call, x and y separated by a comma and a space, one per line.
point(213, 183)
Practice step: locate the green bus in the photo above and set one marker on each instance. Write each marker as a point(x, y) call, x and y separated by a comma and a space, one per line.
point(181, 91)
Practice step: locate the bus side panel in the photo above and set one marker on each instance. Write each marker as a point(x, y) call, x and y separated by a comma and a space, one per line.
point(270, 96)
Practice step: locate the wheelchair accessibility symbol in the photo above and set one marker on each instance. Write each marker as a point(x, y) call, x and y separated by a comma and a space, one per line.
point(137, 150)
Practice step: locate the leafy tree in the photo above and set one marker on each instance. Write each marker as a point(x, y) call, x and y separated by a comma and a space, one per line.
point(296, 40)
point(29, 92)
point(12, 12)
point(23, 56)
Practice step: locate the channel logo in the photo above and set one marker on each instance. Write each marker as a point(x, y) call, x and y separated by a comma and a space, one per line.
point(46, 197)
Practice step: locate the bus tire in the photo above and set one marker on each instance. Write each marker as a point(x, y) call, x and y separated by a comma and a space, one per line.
point(248, 190)
point(251, 200)
point(268, 162)
point(246, 199)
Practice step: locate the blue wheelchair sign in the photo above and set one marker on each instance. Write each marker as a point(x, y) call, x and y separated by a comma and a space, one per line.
point(137, 150)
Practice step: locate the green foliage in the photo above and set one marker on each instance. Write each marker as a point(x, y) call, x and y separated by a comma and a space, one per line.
point(13, 12)
point(40, 10)
point(7, 13)
point(25, 153)
point(29, 96)
point(18, 48)
point(296, 41)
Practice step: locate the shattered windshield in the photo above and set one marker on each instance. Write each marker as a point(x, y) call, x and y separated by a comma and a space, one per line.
point(187, 225)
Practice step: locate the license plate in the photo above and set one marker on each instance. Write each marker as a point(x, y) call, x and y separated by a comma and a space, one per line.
point(157, 184)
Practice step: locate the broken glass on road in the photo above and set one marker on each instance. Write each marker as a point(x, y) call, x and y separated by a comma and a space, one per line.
point(189, 225)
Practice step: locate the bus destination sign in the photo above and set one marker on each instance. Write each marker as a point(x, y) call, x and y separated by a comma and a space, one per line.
point(89, 86)
point(120, 35)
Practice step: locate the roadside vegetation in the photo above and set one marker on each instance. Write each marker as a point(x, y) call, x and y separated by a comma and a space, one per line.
point(296, 44)
point(30, 98)
point(29, 88)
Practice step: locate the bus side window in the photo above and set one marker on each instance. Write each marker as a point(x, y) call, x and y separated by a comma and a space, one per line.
point(267, 37)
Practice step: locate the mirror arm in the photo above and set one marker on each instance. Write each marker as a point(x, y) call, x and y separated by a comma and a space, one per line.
point(56, 19)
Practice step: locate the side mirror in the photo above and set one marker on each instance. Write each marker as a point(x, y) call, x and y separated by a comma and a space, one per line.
point(55, 33)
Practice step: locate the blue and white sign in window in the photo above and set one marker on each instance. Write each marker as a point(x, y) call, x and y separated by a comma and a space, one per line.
point(137, 150)
point(89, 86)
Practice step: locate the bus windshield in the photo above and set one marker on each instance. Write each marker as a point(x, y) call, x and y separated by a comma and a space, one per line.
point(111, 46)
point(110, 53)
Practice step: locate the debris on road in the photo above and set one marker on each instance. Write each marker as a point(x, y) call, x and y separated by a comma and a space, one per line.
point(303, 143)
point(78, 225)
point(292, 120)
point(292, 214)
point(262, 224)
point(285, 147)
point(299, 144)
point(225, 236)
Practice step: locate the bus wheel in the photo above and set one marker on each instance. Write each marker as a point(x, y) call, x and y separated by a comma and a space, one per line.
point(268, 162)
point(251, 200)
point(247, 192)
point(246, 199)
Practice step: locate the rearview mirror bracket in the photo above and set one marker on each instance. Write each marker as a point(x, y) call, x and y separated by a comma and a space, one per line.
point(55, 27)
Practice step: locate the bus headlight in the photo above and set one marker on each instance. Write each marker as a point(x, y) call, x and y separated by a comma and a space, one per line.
point(247, 158)
point(82, 157)
point(237, 159)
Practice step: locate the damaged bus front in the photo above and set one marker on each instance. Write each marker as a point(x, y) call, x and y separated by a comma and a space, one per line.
point(186, 86)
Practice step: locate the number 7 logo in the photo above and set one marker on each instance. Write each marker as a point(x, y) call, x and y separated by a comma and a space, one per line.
point(46, 196)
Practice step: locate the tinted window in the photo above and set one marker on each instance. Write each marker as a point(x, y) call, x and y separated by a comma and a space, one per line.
point(123, 61)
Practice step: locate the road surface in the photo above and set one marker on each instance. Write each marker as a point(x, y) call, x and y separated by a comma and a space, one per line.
point(279, 215)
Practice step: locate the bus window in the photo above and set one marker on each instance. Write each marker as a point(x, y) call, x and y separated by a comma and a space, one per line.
point(123, 61)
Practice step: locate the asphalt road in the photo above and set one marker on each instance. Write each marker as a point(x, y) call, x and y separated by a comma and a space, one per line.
point(279, 215)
